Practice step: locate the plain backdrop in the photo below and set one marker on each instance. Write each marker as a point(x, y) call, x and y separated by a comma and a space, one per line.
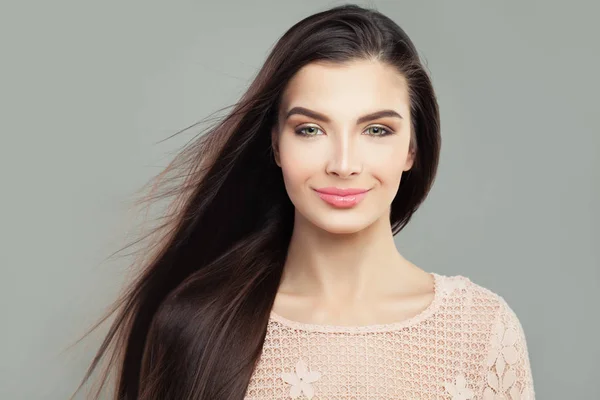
point(89, 89)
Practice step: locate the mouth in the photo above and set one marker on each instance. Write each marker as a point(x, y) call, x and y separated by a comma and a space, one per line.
point(342, 198)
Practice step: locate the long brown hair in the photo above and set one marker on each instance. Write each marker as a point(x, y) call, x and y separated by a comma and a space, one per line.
point(191, 324)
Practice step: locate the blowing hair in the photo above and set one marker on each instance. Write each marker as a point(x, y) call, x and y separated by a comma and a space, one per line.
point(192, 322)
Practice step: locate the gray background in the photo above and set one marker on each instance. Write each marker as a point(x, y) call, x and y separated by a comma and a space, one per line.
point(87, 89)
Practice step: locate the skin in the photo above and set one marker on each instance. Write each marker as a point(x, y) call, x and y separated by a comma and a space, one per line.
point(343, 267)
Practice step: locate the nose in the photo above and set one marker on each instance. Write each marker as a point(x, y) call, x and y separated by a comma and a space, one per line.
point(345, 159)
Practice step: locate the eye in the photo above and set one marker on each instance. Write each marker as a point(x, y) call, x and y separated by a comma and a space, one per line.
point(311, 129)
point(380, 130)
point(377, 130)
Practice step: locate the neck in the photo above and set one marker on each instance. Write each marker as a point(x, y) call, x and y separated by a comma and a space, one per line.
point(343, 267)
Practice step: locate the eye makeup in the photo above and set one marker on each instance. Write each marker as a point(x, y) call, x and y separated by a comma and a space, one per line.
point(301, 131)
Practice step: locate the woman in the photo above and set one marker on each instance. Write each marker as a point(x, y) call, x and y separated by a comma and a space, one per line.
point(276, 275)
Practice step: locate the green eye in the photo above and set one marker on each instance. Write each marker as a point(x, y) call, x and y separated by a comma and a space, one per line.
point(302, 132)
point(376, 130)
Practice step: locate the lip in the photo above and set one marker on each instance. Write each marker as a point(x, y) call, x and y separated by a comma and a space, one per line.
point(341, 192)
point(342, 198)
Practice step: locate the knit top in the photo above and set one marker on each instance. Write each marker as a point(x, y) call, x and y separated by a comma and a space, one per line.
point(467, 344)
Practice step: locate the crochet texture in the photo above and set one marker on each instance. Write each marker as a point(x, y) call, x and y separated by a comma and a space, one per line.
point(468, 344)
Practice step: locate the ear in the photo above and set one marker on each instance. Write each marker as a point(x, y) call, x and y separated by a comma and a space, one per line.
point(275, 144)
point(410, 159)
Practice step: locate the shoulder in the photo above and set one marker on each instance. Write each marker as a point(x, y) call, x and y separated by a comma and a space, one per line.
point(471, 297)
point(494, 329)
point(507, 366)
point(482, 310)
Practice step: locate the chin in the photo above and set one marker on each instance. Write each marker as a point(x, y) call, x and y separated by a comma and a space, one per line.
point(342, 230)
point(345, 225)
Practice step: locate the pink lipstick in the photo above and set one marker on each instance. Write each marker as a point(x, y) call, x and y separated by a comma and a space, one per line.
point(342, 198)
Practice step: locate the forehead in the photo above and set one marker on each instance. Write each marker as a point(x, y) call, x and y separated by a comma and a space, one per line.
point(347, 89)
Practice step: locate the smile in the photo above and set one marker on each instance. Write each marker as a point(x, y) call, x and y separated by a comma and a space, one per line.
point(342, 198)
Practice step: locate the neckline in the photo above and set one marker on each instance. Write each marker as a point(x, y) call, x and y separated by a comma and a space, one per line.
point(392, 326)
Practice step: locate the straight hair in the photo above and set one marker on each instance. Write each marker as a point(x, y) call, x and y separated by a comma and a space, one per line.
point(192, 322)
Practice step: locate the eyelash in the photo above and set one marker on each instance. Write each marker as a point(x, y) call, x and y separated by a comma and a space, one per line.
point(389, 131)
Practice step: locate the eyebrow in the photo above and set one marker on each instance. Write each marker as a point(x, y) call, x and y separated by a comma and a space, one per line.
point(324, 118)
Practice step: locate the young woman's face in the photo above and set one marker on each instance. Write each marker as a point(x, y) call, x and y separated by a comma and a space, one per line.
point(344, 126)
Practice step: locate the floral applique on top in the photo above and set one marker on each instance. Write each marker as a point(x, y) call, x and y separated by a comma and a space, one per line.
point(459, 390)
point(503, 364)
point(301, 381)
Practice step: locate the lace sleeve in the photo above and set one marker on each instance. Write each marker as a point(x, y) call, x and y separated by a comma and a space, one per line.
point(508, 366)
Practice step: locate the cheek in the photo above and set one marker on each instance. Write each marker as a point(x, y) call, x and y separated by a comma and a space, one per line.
point(297, 166)
point(388, 166)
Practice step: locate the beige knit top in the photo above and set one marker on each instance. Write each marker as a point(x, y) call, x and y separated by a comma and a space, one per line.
point(468, 344)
